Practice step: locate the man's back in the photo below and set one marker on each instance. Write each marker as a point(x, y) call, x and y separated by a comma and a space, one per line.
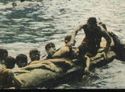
point(92, 35)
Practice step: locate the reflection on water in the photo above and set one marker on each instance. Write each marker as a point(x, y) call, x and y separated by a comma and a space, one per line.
point(33, 24)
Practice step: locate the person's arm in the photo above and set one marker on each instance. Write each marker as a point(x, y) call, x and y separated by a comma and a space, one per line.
point(74, 33)
point(61, 51)
point(105, 34)
point(108, 40)
point(103, 26)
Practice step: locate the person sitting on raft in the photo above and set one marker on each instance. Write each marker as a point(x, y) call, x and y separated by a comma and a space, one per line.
point(67, 51)
point(64, 52)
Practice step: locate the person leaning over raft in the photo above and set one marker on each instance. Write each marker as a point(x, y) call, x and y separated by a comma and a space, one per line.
point(67, 51)
point(93, 34)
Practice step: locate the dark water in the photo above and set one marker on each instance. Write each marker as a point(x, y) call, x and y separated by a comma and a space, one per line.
point(33, 24)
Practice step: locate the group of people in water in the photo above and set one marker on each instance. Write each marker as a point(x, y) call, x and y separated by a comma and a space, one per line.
point(89, 47)
point(94, 31)
point(20, 60)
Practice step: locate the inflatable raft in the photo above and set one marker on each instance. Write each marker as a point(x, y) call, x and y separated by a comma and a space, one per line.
point(51, 72)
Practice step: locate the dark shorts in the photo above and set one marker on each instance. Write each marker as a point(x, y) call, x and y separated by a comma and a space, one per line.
point(88, 48)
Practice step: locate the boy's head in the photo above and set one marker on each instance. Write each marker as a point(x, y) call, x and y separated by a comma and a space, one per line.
point(68, 39)
point(50, 48)
point(10, 62)
point(3, 54)
point(92, 21)
point(34, 54)
point(21, 60)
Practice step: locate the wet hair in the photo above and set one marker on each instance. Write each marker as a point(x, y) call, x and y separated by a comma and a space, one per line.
point(14, 4)
point(92, 20)
point(34, 54)
point(10, 62)
point(67, 38)
point(3, 54)
point(49, 45)
point(21, 60)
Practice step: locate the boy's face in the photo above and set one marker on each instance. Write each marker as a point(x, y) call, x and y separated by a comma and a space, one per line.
point(50, 48)
point(35, 56)
point(22, 64)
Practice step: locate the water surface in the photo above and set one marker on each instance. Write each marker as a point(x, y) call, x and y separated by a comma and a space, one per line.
point(32, 24)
